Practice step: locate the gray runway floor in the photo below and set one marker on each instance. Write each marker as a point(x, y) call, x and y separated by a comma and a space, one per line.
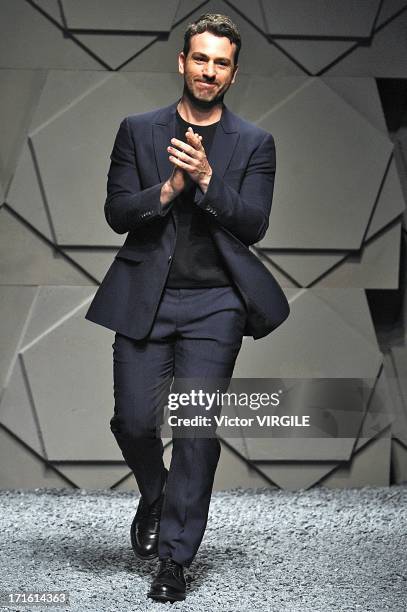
point(264, 549)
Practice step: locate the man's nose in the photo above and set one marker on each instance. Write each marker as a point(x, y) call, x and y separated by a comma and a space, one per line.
point(209, 70)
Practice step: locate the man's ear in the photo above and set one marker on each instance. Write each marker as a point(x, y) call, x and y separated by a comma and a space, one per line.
point(234, 73)
point(181, 62)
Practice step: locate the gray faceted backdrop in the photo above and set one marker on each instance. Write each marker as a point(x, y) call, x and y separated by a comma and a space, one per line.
point(329, 81)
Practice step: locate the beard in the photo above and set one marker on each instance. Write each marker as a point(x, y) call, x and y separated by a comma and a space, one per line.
point(199, 102)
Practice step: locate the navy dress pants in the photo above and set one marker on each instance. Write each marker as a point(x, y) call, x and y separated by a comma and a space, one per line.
point(197, 333)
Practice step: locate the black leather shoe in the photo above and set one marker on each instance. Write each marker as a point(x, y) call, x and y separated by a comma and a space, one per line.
point(169, 583)
point(145, 528)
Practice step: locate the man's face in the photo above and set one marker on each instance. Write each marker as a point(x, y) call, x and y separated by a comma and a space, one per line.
point(208, 69)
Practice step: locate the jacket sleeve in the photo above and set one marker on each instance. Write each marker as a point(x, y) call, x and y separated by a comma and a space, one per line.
point(245, 214)
point(127, 206)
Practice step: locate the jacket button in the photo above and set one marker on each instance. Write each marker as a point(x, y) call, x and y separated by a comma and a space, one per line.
point(170, 258)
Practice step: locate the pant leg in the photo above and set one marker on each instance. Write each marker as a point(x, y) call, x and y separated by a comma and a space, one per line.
point(210, 326)
point(142, 374)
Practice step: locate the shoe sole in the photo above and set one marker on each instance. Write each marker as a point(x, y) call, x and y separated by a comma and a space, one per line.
point(158, 597)
point(145, 558)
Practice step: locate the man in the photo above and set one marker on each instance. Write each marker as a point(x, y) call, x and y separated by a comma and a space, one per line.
point(192, 184)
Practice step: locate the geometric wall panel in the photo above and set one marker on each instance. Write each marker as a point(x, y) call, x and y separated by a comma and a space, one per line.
point(20, 468)
point(314, 56)
point(385, 56)
point(270, 92)
point(303, 449)
point(17, 411)
point(357, 468)
point(390, 9)
point(398, 355)
point(281, 277)
point(95, 261)
point(369, 466)
point(156, 16)
point(51, 9)
point(321, 38)
point(233, 472)
point(362, 94)
point(347, 348)
point(399, 462)
point(29, 40)
point(52, 306)
point(374, 266)
point(115, 51)
point(15, 306)
point(69, 74)
point(278, 456)
point(304, 267)
point(27, 259)
point(100, 476)
point(113, 48)
point(41, 45)
point(381, 412)
point(61, 90)
point(25, 195)
point(351, 305)
point(336, 180)
point(74, 180)
point(253, 12)
point(20, 412)
point(390, 203)
point(395, 366)
point(63, 389)
point(259, 58)
point(299, 350)
point(20, 90)
point(345, 18)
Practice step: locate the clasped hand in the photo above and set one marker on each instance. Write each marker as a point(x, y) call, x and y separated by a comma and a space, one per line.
point(190, 157)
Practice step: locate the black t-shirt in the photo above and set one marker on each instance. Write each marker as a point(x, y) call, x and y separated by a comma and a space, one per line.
point(197, 261)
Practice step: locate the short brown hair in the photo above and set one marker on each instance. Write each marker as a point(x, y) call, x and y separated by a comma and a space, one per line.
point(220, 25)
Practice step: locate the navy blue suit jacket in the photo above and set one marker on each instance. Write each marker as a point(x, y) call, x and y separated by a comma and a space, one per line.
point(237, 201)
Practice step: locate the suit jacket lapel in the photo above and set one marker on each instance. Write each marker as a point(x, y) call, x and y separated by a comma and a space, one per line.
point(223, 144)
point(163, 131)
